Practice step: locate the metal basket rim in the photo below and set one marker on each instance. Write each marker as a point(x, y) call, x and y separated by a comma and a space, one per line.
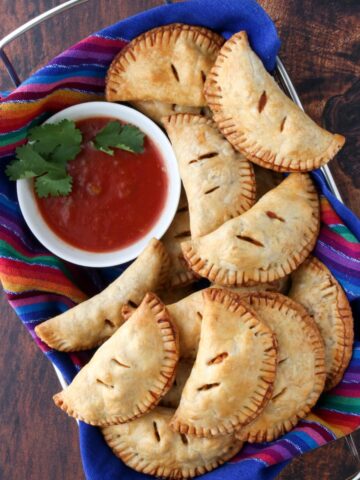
point(280, 69)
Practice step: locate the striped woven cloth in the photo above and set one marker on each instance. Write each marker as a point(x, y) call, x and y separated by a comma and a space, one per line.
point(39, 285)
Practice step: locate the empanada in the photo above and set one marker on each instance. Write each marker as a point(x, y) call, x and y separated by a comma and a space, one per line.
point(149, 446)
point(281, 286)
point(300, 375)
point(169, 64)
point(263, 244)
point(219, 182)
point(90, 323)
point(186, 316)
point(258, 118)
point(317, 290)
point(129, 373)
point(173, 396)
point(234, 371)
point(179, 272)
point(156, 110)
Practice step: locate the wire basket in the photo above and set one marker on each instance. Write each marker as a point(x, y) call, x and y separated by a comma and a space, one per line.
point(280, 75)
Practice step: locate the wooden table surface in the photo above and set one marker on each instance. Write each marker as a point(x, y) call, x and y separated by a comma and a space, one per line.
point(321, 52)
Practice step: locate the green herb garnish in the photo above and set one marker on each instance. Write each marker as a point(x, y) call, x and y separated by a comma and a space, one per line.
point(115, 135)
point(51, 146)
point(45, 157)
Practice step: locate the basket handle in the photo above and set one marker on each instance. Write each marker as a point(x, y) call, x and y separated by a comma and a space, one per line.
point(28, 26)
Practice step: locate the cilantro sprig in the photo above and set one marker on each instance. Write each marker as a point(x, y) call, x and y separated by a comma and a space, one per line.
point(115, 135)
point(45, 157)
point(51, 146)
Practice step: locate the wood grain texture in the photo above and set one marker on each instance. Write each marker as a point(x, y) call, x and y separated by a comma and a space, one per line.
point(321, 51)
point(37, 442)
point(335, 461)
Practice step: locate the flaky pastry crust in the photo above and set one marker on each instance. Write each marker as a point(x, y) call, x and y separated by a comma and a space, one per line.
point(129, 373)
point(186, 315)
point(169, 64)
point(93, 321)
point(180, 273)
point(300, 375)
point(219, 181)
point(266, 242)
point(317, 290)
point(149, 446)
point(259, 119)
point(234, 371)
point(157, 110)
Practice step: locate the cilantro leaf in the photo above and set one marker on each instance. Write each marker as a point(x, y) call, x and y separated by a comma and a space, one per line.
point(28, 164)
point(48, 137)
point(63, 153)
point(115, 135)
point(53, 184)
point(45, 156)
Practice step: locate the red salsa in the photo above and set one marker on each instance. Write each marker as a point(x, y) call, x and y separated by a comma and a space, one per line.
point(115, 200)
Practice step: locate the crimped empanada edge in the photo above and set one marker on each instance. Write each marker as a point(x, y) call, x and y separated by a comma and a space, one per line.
point(312, 332)
point(171, 357)
point(127, 54)
point(182, 279)
point(344, 323)
point(247, 195)
point(46, 333)
point(134, 459)
point(227, 277)
point(234, 302)
point(255, 152)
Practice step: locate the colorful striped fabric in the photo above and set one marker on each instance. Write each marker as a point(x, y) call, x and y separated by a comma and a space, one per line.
point(40, 285)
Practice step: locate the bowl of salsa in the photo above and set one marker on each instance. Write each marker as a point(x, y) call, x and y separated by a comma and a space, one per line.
point(119, 199)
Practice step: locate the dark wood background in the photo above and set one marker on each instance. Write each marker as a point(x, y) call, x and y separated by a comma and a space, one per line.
point(321, 50)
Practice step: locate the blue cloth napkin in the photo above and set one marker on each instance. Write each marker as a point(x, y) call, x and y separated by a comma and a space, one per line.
point(226, 17)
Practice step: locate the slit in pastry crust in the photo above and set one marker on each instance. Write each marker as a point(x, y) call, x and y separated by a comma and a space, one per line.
point(127, 376)
point(149, 446)
point(221, 397)
point(166, 64)
point(300, 374)
point(93, 321)
point(258, 118)
point(257, 246)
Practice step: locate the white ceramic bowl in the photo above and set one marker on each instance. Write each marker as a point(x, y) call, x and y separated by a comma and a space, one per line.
point(78, 256)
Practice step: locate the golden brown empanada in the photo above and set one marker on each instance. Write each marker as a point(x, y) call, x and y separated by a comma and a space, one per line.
point(129, 373)
point(234, 371)
point(258, 118)
point(281, 286)
point(90, 323)
point(300, 374)
point(173, 396)
point(219, 182)
point(317, 290)
point(263, 244)
point(186, 316)
point(169, 64)
point(149, 446)
point(156, 110)
point(179, 272)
